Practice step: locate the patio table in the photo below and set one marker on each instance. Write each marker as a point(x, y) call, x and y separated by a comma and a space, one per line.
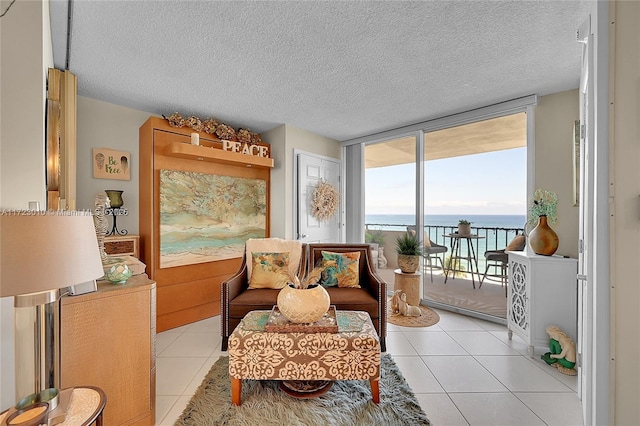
point(470, 256)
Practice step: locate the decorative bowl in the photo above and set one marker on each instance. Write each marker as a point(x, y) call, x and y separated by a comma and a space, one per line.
point(118, 273)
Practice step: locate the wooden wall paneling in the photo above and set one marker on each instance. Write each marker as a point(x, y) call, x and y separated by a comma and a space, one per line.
point(191, 292)
point(62, 94)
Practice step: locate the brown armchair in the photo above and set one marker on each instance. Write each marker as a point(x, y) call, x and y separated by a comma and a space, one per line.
point(371, 297)
point(237, 299)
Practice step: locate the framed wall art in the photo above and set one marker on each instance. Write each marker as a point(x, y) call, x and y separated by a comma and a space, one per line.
point(111, 164)
point(206, 217)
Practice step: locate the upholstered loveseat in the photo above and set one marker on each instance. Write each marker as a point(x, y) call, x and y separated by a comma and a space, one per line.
point(238, 299)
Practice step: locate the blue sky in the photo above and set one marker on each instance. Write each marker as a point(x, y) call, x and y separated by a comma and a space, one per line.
point(490, 183)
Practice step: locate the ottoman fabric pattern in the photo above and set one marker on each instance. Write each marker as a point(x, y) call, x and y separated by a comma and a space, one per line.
point(263, 355)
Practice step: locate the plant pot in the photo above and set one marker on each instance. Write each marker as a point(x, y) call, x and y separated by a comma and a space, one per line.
point(464, 229)
point(303, 305)
point(408, 263)
point(542, 239)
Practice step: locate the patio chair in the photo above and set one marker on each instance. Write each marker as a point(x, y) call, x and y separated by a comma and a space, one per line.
point(430, 252)
point(499, 260)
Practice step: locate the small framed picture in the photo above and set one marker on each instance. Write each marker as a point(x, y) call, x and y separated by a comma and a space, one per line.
point(111, 164)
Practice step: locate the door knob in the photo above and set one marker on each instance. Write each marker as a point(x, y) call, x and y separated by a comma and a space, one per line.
point(303, 236)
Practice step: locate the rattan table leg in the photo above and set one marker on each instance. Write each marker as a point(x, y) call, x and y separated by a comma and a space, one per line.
point(375, 390)
point(236, 390)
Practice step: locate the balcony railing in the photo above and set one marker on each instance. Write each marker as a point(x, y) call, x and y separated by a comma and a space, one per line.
point(492, 238)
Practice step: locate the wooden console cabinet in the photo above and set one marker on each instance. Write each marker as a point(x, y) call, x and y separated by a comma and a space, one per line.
point(186, 293)
point(108, 340)
point(543, 291)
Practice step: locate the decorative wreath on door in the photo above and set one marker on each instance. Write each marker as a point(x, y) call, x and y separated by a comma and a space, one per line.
point(325, 201)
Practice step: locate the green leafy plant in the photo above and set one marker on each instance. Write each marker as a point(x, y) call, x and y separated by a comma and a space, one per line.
point(544, 203)
point(374, 236)
point(409, 245)
point(464, 222)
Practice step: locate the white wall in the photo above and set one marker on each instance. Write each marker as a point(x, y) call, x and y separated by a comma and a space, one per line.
point(554, 118)
point(25, 55)
point(280, 174)
point(284, 139)
point(104, 125)
point(625, 244)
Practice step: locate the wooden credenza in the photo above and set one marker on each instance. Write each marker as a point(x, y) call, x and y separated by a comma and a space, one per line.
point(108, 340)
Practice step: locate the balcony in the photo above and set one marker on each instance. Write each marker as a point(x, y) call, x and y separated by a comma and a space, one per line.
point(458, 291)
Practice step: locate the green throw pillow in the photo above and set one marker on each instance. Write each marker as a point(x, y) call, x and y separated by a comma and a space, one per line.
point(340, 269)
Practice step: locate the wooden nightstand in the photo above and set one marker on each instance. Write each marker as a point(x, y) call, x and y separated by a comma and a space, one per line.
point(124, 245)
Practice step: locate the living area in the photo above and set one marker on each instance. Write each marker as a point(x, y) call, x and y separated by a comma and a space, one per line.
point(184, 353)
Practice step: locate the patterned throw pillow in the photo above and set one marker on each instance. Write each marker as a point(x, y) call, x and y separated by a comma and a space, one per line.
point(340, 269)
point(517, 244)
point(270, 270)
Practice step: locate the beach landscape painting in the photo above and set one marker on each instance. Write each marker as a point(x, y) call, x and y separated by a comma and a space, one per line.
point(205, 217)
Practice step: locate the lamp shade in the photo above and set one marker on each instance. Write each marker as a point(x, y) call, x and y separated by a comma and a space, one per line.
point(42, 251)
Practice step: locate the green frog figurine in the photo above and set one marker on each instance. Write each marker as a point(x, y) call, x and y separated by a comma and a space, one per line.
point(562, 353)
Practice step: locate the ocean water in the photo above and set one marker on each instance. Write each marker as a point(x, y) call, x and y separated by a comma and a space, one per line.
point(398, 222)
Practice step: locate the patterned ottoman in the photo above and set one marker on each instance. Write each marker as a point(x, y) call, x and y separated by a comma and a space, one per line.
point(353, 353)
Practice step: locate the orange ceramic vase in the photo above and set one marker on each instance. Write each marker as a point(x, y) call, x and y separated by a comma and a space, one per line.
point(542, 239)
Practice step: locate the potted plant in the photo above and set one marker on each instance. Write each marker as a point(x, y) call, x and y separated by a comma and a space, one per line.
point(464, 227)
point(409, 251)
point(543, 210)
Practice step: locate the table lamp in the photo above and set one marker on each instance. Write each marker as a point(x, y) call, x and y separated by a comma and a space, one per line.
point(40, 253)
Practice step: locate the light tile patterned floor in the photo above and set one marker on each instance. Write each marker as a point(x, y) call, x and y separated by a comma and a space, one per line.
point(463, 371)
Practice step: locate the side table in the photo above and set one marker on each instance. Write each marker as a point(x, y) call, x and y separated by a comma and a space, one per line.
point(410, 284)
point(85, 407)
point(122, 245)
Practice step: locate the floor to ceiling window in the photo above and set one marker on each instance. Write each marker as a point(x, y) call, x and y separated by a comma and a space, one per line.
point(390, 197)
point(474, 166)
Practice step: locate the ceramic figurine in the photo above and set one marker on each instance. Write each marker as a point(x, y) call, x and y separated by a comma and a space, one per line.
point(406, 309)
point(563, 351)
point(395, 302)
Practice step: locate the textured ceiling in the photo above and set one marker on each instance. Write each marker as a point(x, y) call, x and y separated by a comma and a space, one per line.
point(341, 69)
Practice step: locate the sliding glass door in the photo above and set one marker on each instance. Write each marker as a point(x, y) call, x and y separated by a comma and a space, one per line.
point(476, 167)
point(475, 173)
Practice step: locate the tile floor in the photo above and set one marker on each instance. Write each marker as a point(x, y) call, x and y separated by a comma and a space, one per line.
point(463, 371)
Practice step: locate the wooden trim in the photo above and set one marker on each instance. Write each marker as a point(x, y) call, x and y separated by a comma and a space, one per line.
point(203, 153)
point(62, 97)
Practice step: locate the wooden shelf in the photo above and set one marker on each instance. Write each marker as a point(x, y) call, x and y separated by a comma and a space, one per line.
point(203, 153)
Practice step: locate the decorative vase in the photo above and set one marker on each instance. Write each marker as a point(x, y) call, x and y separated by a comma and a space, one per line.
point(303, 305)
point(464, 229)
point(119, 273)
point(542, 239)
point(408, 263)
point(115, 198)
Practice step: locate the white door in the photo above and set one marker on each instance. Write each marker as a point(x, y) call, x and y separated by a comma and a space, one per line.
point(586, 218)
point(311, 170)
